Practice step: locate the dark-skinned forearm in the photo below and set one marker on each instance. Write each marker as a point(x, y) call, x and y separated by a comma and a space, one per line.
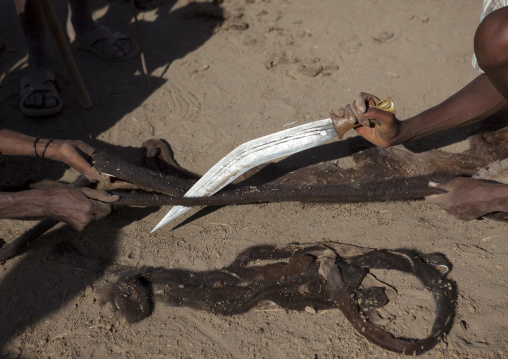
point(477, 101)
point(31, 203)
point(17, 144)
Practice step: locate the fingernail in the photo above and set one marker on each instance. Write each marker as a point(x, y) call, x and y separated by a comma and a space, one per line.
point(361, 109)
point(432, 184)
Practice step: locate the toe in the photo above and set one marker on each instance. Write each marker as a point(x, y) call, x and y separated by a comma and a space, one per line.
point(37, 100)
point(50, 102)
point(118, 54)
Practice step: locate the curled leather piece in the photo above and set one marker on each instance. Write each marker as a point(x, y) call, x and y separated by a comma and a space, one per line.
point(323, 276)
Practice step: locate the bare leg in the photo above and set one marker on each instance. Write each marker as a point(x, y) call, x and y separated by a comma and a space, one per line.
point(38, 86)
point(94, 36)
point(491, 48)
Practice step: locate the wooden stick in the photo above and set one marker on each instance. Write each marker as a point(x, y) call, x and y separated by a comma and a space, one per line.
point(23, 242)
point(140, 42)
point(65, 53)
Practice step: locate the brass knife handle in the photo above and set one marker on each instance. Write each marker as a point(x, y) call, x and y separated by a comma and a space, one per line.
point(386, 105)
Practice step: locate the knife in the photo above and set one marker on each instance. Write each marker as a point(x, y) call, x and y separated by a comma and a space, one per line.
point(265, 149)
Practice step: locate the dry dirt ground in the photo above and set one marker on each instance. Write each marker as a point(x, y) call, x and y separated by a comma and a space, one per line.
point(221, 75)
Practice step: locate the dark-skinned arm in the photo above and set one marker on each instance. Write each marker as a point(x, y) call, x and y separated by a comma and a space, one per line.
point(465, 198)
point(72, 153)
point(475, 102)
point(74, 206)
point(468, 198)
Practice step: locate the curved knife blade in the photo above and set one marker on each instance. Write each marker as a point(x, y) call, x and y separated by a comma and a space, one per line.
point(252, 154)
point(269, 148)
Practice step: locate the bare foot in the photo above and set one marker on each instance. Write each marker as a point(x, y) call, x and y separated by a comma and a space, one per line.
point(108, 44)
point(39, 95)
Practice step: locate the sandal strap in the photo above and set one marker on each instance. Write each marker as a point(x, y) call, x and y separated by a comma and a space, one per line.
point(37, 80)
point(110, 37)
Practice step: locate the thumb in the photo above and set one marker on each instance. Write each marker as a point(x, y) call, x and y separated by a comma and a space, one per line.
point(93, 174)
point(378, 116)
point(102, 196)
point(434, 184)
point(447, 187)
point(359, 102)
point(436, 199)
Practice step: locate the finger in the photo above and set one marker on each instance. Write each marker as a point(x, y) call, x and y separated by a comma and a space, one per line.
point(368, 98)
point(101, 210)
point(102, 196)
point(361, 118)
point(341, 116)
point(360, 102)
point(438, 199)
point(433, 184)
point(75, 157)
point(92, 173)
point(433, 198)
point(379, 117)
point(350, 115)
point(364, 120)
point(448, 186)
point(78, 227)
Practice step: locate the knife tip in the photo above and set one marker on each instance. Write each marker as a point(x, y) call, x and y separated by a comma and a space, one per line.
point(175, 212)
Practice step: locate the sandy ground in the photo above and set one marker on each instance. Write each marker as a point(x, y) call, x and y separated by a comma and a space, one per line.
point(216, 84)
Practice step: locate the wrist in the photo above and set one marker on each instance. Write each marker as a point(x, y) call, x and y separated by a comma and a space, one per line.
point(405, 133)
point(30, 203)
point(47, 148)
